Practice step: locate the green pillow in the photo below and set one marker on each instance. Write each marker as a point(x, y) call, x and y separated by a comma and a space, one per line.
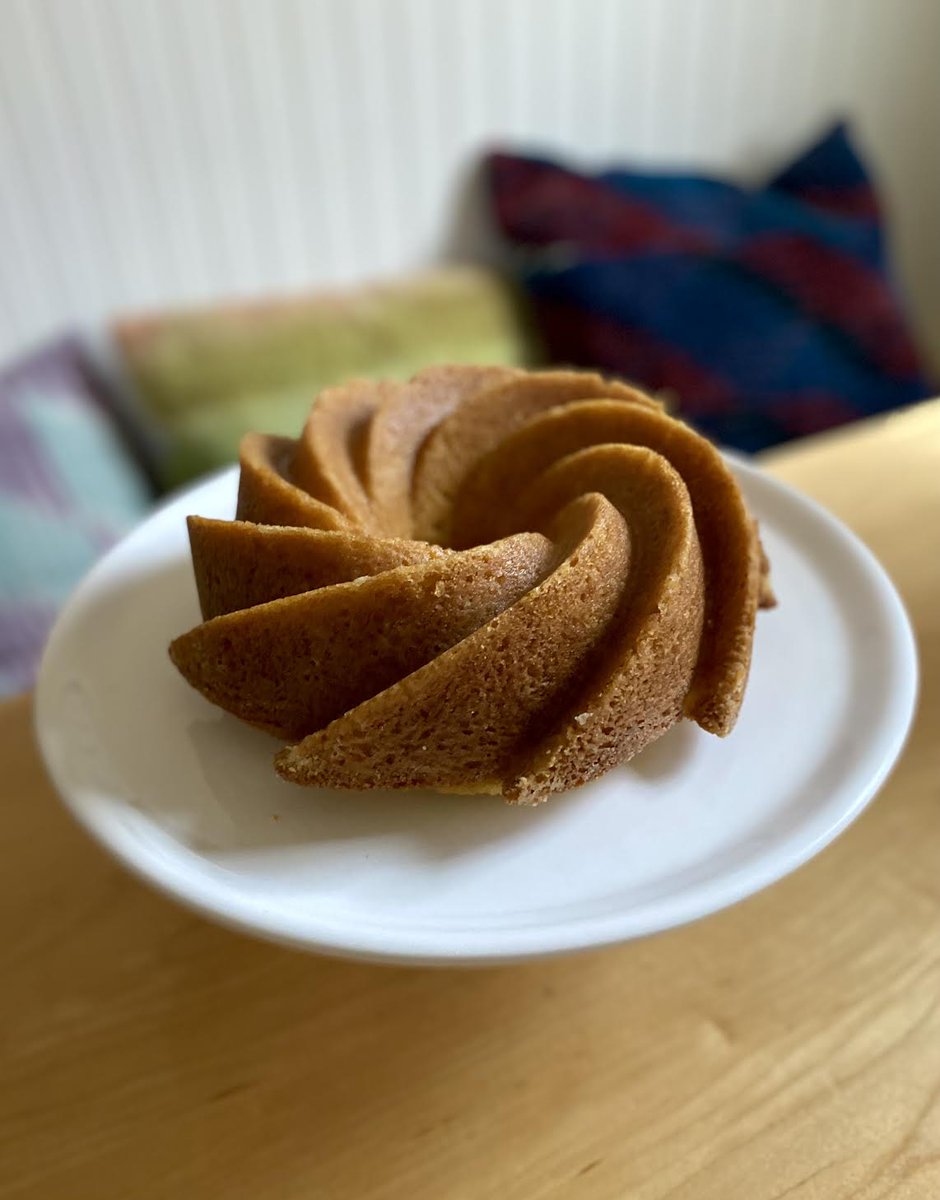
point(206, 377)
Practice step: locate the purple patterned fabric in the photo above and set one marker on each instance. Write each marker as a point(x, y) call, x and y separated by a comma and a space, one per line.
point(68, 489)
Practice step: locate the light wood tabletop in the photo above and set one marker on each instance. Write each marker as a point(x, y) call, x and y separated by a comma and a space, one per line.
point(789, 1046)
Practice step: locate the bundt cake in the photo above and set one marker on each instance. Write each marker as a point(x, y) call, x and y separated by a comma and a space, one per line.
point(482, 580)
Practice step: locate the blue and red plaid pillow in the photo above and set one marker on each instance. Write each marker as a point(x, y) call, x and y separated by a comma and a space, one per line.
point(769, 313)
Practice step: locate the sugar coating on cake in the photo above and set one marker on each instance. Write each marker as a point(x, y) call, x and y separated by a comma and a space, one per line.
point(482, 580)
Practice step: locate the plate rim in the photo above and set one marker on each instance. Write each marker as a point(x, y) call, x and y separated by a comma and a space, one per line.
point(518, 943)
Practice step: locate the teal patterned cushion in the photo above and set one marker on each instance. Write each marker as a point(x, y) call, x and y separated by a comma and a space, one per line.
point(68, 489)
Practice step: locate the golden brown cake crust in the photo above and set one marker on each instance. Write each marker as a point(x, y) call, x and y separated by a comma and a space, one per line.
point(267, 493)
point(460, 718)
point(293, 664)
point(238, 564)
point(723, 525)
point(480, 580)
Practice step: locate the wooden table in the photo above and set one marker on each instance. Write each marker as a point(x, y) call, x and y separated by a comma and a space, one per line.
point(787, 1047)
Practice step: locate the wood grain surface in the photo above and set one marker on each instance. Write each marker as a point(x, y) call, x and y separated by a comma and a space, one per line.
point(788, 1047)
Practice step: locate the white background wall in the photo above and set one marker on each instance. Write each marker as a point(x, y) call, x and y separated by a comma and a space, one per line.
point(155, 151)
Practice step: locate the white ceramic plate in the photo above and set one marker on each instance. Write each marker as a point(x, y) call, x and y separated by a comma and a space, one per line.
point(186, 796)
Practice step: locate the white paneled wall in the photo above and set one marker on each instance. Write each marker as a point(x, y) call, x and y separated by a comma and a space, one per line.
point(155, 151)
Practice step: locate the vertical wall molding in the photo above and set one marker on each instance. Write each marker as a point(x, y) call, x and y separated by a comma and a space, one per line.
point(156, 152)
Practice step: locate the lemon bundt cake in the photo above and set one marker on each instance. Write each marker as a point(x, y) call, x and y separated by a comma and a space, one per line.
point(482, 580)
